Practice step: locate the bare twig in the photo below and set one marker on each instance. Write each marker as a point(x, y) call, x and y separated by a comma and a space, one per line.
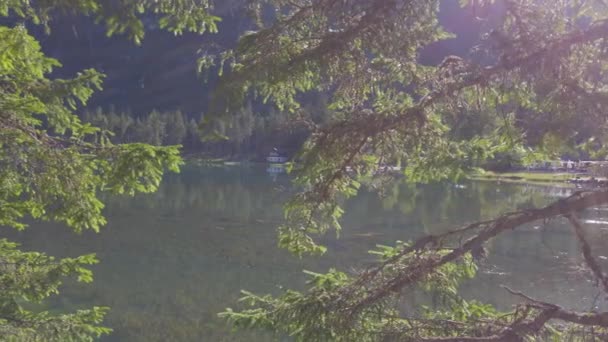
point(582, 318)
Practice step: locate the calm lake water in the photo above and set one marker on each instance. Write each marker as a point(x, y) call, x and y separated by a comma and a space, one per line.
point(171, 261)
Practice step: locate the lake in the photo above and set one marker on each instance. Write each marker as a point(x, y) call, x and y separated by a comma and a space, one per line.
point(172, 260)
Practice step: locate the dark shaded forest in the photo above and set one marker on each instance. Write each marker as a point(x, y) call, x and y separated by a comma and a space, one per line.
point(154, 93)
point(245, 135)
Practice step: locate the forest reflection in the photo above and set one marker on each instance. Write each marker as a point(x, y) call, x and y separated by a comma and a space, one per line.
point(174, 259)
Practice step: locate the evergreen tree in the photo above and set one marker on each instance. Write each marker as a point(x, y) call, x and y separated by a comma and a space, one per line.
point(155, 129)
point(175, 128)
point(53, 165)
point(536, 58)
point(192, 134)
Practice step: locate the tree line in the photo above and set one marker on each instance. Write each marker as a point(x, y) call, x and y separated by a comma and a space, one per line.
point(250, 132)
point(244, 134)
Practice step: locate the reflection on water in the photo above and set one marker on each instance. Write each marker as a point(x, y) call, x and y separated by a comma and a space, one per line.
point(172, 260)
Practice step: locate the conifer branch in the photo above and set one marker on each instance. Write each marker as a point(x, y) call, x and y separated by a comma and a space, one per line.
point(490, 229)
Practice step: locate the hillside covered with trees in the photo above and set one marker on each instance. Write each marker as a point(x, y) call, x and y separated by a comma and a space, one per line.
point(161, 76)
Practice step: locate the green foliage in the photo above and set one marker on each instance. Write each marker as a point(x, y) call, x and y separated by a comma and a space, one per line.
point(243, 134)
point(122, 16)
point(32, 277)
point(284, 314)
point(327, 310)
point(53, 166)
point(310, 50)
point(533, 87)
point(440, 122)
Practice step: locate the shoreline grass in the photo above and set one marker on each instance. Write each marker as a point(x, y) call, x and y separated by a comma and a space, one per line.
point(530, 177)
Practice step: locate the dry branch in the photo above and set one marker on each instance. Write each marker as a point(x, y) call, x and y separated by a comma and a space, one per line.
point(490, 229)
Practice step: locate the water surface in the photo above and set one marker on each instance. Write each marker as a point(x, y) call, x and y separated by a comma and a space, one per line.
point(172, 260)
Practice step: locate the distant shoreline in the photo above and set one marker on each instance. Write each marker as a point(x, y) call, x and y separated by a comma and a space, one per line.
point(565, 179)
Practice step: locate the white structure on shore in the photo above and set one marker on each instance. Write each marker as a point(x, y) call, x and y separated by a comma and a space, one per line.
point(565, 165)
point(276, 158)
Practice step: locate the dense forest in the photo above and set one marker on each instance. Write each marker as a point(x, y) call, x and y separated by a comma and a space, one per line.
point(244, 135)
point(148, 82)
